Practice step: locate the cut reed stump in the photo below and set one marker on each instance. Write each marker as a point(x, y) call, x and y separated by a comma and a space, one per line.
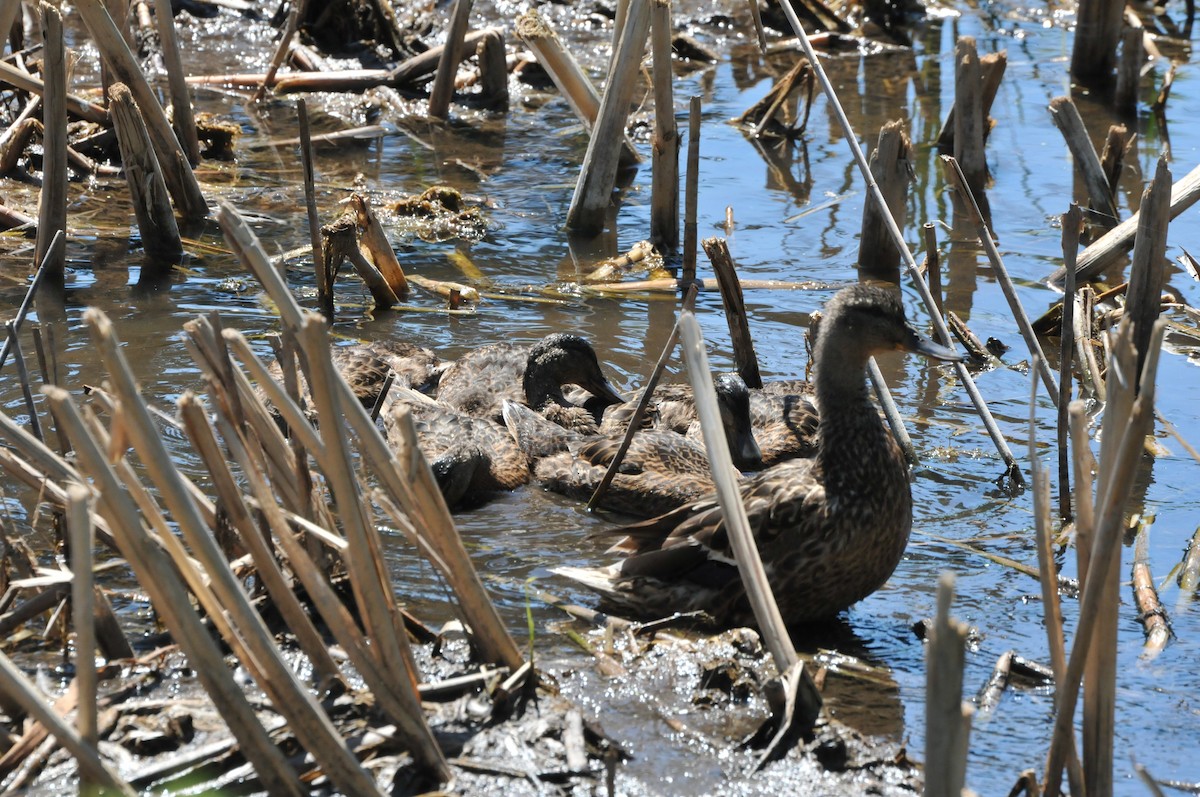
point(947, 716)
point(664, 185)
point(183, 120)
point(1108, 250)
point(151, 202)
point(992, 66)
point(1147, 270)
point(568, 76)
point(443, 82)
point(969, 119)
point(597, 177)
point(1129, 70)
point(1101, 193)
point(52, 204)
point(340, 244)
point(891, 163)
point(493, 70)
point(1097, 31)
point(181, 181)
point(735, 311)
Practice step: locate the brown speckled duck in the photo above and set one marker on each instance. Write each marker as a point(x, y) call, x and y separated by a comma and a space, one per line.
point(830, 530)
point(478, 383)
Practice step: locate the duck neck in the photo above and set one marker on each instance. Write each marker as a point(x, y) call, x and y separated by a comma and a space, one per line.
point(851, 436)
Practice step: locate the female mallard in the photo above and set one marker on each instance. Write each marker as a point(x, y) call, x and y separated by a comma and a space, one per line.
point(480, 381)
point(830, 529)
point(784, 421)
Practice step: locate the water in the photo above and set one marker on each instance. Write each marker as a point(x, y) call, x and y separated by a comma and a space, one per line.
point(798, 224)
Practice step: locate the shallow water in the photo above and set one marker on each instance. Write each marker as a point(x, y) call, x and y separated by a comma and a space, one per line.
point(523, 166)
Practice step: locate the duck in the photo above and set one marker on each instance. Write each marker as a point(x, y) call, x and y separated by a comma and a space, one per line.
point(365, 367)
point(472, 459)
point(831, 529)
point(661, 470)
point(478, 383)
point(673, 408)
point(784, 421)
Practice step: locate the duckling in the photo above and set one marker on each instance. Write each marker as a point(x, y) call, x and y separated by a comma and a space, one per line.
point(480, 381)
point(471, 458)
point(365, 366)
point(830, 529)
point(673, 408)
point(660, 471)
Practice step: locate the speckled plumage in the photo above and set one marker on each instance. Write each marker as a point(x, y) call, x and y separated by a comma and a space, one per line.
point(830, 530)
point(479, 382)
point(660, 471)
point(784, 420)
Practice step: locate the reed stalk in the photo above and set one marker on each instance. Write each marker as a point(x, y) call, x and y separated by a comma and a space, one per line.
point(374, 240)
point(947, 717)
point(890, 163)
point(942, 334)
point(151, 202)
point(1097, 31)
point(664, 185)
point(956, 178)
point(183, 119)
point(1106, 251)
point(969, 118)
point(691, 194)
point(1067, 119)
point(88, 111)
point(1151, 613)
point(52, 202)
point(180, 180)
point(281, 51)
point(443, 82)
point(1147, 267)
point(1071, 224)
point(1123, 437)
point(992, 66)
point(308, 721)
point(597, 177)
point(323, 278)
point(157, 576)
point(735, 311)
point(750, 567)
point(79, 526)
point(493, 70)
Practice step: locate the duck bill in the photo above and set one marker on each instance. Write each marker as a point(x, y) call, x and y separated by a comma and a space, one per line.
point(920, 344)
point(603, 391)
point(745, 449)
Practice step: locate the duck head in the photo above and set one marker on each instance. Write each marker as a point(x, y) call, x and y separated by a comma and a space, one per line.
point(562, 359)
point(733, 399)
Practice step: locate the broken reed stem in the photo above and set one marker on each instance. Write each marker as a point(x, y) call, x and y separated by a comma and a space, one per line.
point(956, 177)
point(79, 527)
point(52, 202)
point(992, 66)
point(691, 193)
point(323, 277)
point(1067, 119)
point(1097, 31)
point(35, 425)
point(443, 82)
point(281, 51)
point(664, 181)
point(572, 82)
point(597, 177)
point(1147, 267)
point(890, 163)
point(1125, 442)
point(891, 411)
point(942, 334)
point(735, 311)
point(151, 203)
point(376, 243)
point(171, 601)
point(947, 716)
point(635, 420)
point(1151, 613)
point(1085, 348)
point(181, 181)
point(969, 118)
point(75, 105)
point(312, 727)
point(1071, 225)
point(1112, 245)
point(423, 500)
point(183, 120)
point(933, 266)
point(750, 567)
point(1052, 617)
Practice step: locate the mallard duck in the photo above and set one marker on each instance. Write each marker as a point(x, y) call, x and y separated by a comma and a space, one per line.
point(480, 381)
point(660, 471)
point(471, 458)
point(830, 529)
point(784, 421)
point(365, 367)
point(673, 408)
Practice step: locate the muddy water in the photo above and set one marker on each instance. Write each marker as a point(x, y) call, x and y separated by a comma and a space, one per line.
point(795, 221)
